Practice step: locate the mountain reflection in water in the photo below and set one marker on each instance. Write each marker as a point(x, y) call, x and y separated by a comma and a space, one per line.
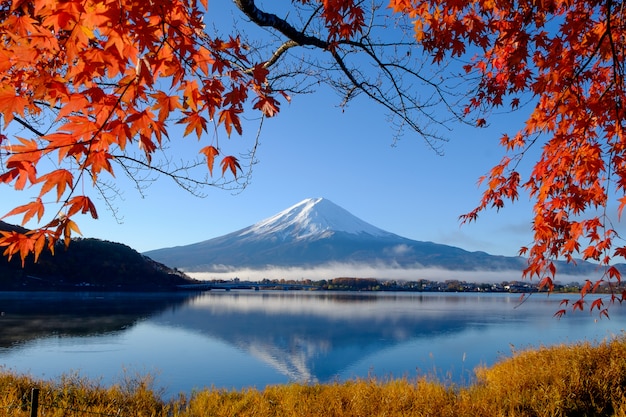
point(309, 338)
point(220, 338)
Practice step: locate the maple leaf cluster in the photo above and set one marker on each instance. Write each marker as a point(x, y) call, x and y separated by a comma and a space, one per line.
point(111, 77)
point(567, 59)
point(344, 19)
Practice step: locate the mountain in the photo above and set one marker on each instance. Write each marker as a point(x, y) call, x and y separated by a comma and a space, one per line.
point(311, 219)
point(316, 232)
point(87, 264)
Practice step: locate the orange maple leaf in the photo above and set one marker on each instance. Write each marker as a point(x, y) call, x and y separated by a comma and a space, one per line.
point(597, 303)
point(230, 162)
point(211, 152)
point(60, 178)
point(81, 204)
point(194, 121)
point(230, 118)
point(31, 209)
point(11, 104)
point(268, 105)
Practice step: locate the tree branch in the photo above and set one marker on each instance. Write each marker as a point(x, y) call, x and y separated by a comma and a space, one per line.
point(385, 84)
point(261, 18)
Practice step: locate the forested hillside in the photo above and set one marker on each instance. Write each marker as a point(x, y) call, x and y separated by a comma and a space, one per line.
point(88, 264)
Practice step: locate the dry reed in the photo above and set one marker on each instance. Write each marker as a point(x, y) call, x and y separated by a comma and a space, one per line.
point(569, 380)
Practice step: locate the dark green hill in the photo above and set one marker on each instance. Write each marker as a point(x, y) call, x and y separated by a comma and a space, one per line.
point(88, 264)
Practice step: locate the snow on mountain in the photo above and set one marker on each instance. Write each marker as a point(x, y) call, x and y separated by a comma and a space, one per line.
point(311, 219)
point(316, 233)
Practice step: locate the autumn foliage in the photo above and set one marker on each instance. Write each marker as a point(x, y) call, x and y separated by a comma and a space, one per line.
point(108, 79)
point(566, 60)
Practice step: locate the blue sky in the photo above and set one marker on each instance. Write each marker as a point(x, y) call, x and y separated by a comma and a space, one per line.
point(315, 149)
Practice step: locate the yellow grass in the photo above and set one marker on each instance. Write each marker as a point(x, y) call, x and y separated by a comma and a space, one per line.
point(568, 380)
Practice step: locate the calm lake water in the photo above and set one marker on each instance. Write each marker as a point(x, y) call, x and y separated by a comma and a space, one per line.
point(235, 339)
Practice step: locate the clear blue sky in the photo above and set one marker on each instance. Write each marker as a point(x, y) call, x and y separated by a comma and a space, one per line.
point(314, 149)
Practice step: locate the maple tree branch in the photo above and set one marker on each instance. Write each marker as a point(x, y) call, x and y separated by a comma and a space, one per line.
point(279, 52)
point(407, 109)
point(363, 87)
point(102, 187)
point(263, 19)
point(400, 91)
point(618, 69)
point(240, 186)
point(185, 181)
point(28, 126)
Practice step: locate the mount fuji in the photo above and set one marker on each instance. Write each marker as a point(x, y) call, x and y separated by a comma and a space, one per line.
point(317, 232)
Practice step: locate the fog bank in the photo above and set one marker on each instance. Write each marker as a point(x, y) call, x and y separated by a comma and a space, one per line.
point(336, 270)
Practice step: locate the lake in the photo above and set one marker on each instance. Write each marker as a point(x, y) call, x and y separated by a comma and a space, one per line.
point(242, 339)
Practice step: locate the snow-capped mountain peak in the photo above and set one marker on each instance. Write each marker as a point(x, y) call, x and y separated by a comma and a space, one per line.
point(311, 219)
point(316, 232)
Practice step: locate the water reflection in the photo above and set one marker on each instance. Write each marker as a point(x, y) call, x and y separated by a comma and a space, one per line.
point(310, 337)
point(240, 339)
point(314, 336)
point(33, 315)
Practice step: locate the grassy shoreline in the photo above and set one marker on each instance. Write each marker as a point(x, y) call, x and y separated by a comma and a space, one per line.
point(582, 379)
